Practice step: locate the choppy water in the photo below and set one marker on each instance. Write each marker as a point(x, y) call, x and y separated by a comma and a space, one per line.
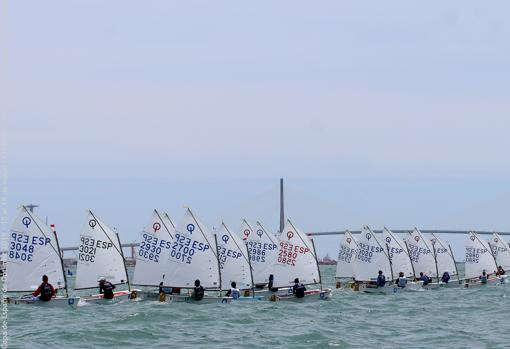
point(453, 318)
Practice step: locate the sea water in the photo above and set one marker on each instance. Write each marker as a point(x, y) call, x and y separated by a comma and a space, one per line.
point(453, 318)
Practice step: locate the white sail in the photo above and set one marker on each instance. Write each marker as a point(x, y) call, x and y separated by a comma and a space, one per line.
point(421, 254)
point(262, 248)
point(99, 255)
point(192, 255)
point(444, 257)
point(154, 250)
point(234, 263)
point(346, 255)
point(500, 251)
point(478, 257)
point(33, 252)
point(296, 259)
point(397, 253)
point(371, 257)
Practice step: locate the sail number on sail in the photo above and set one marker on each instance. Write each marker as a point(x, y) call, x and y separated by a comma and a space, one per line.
point(151, 247)
point(288, 253)
point(22, 246)
point(225, 253)
point(473, 254)
point(258, 250)
point(183, 248)
point(366, 252)
point(345, 254)
point(89, 246)
point(416, 251)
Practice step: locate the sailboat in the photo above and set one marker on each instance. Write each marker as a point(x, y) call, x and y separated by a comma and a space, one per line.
point(399, 259)
point(100, 256)
point(262, 249)
point(479, 259)
point(193, 256)
point(501, 253)
point(33, 252)
point(372, 256)
point(235, 264)
point(445, 263)
point(346, 256)
point(421, 254)
point(153, 253)
point(297, 258)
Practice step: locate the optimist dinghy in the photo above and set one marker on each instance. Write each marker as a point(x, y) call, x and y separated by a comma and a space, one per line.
point(479, 259)
point(100, 256)
point(501, 253)
point(33, 252)
point(296, 259)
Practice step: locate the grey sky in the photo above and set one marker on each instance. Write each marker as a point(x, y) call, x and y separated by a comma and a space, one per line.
point(376, 113)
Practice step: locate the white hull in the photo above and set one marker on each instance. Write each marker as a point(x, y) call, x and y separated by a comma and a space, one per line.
point(266, 293)
point(391, 289)
point(57, 302)
point(119, 296)
point(439, 285)
point(310, 295)
point(188, 299)
point(473, 283)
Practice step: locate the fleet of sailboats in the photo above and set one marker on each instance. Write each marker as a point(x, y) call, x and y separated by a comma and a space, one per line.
point(171, 259)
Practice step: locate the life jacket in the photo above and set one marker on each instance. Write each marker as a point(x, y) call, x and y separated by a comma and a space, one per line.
point(445, 278)
point(234, 293)
point(300, 291)
point(381, 280)
point(108, 290)
point(199, 293)
point(483, 279)
point(402, 282)
point(46, 292)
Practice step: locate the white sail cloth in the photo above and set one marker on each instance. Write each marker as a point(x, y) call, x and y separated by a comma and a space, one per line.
point(421, 254)
point(478, 257)
point(397, 253)
point(99, 255)
point(296, 258)
point(370, 257)
point(346, 256)
point(500, 251)
point(33, 251)
point(154, 250)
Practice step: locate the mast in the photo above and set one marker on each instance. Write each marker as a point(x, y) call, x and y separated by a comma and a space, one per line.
point(62, 263)
point(435, 260)
point(317, 263)
point(251, 271)
point(282, 212)
point(454, 263)
point(409, 254)
point(124, 262)
point(218, 259)
point(391, 263)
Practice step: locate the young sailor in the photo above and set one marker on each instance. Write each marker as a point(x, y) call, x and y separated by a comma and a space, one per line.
point(234, 291)
point(106, 288)
point(298, 289)
point(381, 279)
point(401, 281)
point(45, 291)
point(425, 278)
point(198, 291)
point(483, 277)
point(501, 271)
point(445, 278)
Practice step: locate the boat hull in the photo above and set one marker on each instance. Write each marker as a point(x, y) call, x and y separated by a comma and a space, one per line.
point(178, 298)
point(391, 289)
point(310, 295)
point(57, 302)
point(119, 296)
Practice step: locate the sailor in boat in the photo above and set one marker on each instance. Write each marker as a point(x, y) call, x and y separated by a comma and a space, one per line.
point(106, 288)
point(234, 291)
point(298, 289)
point(401, 281)
point(198, 291)
point(45, 291)
point(445, 278)
point(381, 279)
point(483, 277)
point(425, 278)
point(501, 271)
point(270, 284)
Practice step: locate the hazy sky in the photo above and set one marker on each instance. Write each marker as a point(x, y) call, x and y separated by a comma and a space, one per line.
point(381, 113)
